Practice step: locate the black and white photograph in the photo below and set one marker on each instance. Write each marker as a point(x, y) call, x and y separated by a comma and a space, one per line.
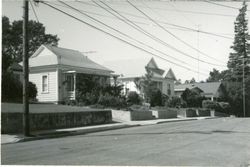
point(125, 82)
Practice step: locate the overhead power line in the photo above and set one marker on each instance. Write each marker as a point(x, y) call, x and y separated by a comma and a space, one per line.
point(172, 34)
point(151, 36)
point(33, 9)
point(163, 22)
point(138, 22)
point(118, 38)
point(226, 6)
point(186, 11)
point(183, 62)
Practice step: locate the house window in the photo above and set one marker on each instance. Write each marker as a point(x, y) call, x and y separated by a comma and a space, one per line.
point(70, 82)
point(45, 83)
point(169, 89)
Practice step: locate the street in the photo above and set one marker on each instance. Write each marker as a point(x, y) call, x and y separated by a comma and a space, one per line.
point(221, 141)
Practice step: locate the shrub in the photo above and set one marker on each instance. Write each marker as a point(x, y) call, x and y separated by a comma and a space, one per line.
point(209, 104)
point(193, 98)
point(157, 98)
point(111, 101)
point(12, 88)
point(223, 107)
point(176, 102)
point(32, 91)
point(133, 98)
point(138, 108)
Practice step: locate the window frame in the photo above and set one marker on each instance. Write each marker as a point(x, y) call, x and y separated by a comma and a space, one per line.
point(45, 91)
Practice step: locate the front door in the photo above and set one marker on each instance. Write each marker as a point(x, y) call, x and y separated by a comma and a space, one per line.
point(70, 86)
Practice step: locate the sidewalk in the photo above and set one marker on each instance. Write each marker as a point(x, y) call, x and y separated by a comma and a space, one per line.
point(44, 134)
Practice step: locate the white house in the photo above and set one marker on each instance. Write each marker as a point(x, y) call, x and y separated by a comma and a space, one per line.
point(54, 70)
point(163, 80)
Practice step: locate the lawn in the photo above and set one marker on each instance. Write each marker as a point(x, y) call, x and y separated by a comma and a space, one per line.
point(43, 108)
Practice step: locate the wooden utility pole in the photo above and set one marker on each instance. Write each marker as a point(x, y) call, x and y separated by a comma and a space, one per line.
point(243, 88)
point(26, 127)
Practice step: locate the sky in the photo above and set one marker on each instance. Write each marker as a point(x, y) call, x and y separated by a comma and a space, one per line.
point(173, 47)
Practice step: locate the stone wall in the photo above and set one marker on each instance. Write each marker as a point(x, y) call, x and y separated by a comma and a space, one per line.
point(13, 122)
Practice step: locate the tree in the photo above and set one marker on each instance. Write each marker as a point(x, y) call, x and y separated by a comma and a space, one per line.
point(238, 62)
point(192, 98)
point(12, 39)
point(190, 81)
point(214, 75)
point(241, 47)
point(178, 82)
point(6, 49)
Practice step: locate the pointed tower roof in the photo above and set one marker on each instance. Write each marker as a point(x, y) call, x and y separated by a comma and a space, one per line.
point(170, 75)
point(152, 66)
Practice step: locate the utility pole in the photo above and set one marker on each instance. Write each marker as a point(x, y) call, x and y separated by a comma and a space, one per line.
point(243, 87)
point(198, 45)
point(26, 127)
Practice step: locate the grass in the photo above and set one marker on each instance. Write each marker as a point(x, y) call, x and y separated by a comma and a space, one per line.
point(43, 108)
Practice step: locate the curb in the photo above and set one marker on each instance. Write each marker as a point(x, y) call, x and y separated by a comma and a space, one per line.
point(65, 133)
point(73, 133)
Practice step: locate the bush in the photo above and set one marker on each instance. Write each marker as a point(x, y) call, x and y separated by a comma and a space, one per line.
point(133, 98)
point(32, 91)
point(223, 107)
point(157, 98)
point(176, 102)
point(111, 101)
point(209, 104)
point(138, 108)
point(192, 98)
point(12, 89)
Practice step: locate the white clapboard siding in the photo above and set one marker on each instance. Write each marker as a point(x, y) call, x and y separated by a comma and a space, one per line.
point(52, 94)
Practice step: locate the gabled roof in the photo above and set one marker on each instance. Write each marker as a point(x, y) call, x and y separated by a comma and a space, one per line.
point(66, 57)
point(170, 75)
point(207, 87)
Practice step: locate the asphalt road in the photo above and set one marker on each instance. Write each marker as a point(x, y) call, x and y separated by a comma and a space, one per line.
point(213, 142)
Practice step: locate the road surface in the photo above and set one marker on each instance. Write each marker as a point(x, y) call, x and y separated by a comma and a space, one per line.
point(223, 141)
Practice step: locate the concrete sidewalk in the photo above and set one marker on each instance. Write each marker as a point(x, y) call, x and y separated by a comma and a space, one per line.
point(13, 138)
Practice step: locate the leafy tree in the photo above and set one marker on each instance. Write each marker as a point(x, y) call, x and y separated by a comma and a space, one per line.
point(214, 75)
point(147, 85)
point(178, 82)
point(6, 49)
point(12, 39)
point(190, 81)
point(133, 98)
point(192, 98)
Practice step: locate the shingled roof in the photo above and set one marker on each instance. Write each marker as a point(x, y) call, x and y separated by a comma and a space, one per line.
point(63, 56)
point(207, 87)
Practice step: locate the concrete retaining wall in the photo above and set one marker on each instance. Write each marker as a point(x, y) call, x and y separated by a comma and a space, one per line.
point(165, 113)
point(202, 112)
point(120, 115)
point(13, 122)
point(141, 115)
